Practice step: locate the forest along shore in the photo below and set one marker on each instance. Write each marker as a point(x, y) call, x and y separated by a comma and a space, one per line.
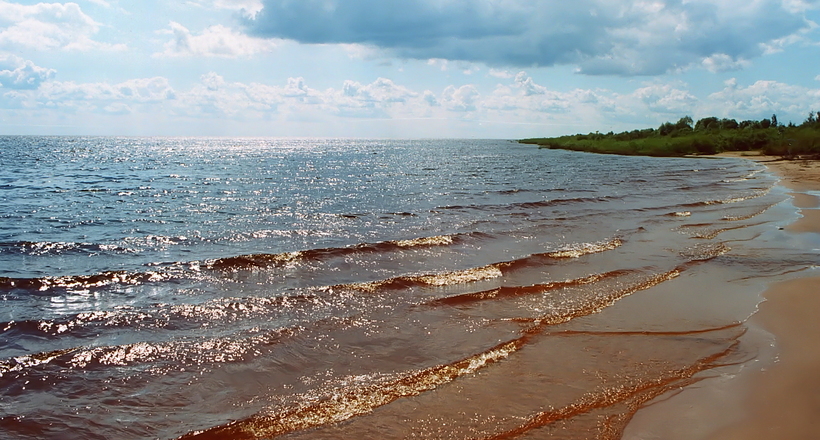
point(779, 399)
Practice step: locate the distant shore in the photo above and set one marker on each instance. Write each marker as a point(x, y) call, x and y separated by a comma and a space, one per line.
point(779, 400)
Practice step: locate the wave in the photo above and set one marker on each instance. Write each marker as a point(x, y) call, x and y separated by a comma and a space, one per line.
point(361, 395)
point(704, 252)
point(340, 405)
point(158, 316)
point(434, 280)
point(571, 305)
point(530, 205)
point(749, 176)
point(281, 259)
point(709, 231)
point(490, 271)
point(515, 291)
point(172, 353)
point(582, 249)
point(730, 200)
point(634, 393)
point(60, 247)
point(21, 363)
point(82, 283)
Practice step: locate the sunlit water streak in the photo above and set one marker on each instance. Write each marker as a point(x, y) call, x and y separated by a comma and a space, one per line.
point(252, 288)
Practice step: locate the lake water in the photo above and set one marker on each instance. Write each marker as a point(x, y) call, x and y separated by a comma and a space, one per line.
point(253, 288)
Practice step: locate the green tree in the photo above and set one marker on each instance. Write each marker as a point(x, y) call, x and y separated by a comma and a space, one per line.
point(710, 123)
point(684, 123)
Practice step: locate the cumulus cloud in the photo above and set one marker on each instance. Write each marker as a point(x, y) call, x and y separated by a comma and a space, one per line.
point(461, 99)
point(724, 63)
point(17, 73)
point(113, 98)
point(762, 98)
point(381, 90)
point(215, 41)
point(49, 26)
point(600, 36)
point(526, 98)
point(500, 73)
point(517, 101)
point(667, 98)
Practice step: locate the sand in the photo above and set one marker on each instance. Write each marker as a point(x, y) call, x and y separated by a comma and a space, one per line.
point(779, 400)
point(784, 399)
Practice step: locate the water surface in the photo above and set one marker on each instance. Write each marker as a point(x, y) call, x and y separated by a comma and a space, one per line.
point(453, 289)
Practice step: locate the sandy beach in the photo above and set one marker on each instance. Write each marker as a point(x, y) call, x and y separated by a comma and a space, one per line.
point(784, 400)
point(779, 399)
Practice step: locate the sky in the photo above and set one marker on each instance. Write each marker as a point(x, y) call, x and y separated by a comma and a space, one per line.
point(503, 69)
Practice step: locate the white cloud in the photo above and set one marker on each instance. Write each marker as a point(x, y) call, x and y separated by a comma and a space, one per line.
point(761, 99)
point(667, 99)
point(382, 90)
point(212, 81)
point(528, 86)
point(90, 96)
point(49, 26)
point(724, 63)
point(248, 7)
point(215, 41)
point(460, 99)
point(217, 102)
point(441, 63)
point(17, 73)
point(527, 99)
point(504, 74)
point(101, 3)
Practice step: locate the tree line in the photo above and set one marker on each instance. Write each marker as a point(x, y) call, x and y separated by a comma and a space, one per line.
point(708, 135)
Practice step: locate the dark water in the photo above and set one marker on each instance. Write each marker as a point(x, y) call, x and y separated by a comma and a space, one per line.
point(253, 288)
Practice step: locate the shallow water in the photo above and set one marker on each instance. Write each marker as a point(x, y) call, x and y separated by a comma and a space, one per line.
point(252, 288)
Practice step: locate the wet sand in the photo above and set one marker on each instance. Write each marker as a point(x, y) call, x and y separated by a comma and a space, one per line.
point(784, 400)
point(770, 400)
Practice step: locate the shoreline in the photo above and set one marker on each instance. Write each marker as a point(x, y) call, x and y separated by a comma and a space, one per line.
point(776, 394)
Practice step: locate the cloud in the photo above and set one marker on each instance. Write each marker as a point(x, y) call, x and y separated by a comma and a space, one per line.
point(248, 7)
point(724, 63)
point(461, 99)
point(667, 99)
point(622, 37)
point(526, 98)
point(500, 73)
point(20, 74)
point(101, 3)
point(49, 26)
point(519, 106)
point(114, 98)
point(382, 90)
point(215, 41)
point(761, 99)
point(528, 86)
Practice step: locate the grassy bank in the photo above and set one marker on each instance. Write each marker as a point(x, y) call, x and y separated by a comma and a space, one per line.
point(707, 136)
